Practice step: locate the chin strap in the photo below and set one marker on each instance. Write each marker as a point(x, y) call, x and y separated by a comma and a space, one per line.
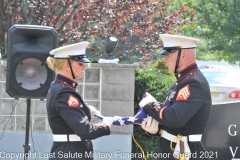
point(71, 69)
point(178, 59)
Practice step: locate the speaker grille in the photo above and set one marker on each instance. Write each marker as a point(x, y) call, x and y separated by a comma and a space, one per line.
point(31, 74)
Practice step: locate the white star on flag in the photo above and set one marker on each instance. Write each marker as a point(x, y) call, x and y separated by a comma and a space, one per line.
point(121, 121)
point(131, 119)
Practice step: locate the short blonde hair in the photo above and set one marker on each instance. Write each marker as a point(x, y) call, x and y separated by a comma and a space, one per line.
point(55, 64)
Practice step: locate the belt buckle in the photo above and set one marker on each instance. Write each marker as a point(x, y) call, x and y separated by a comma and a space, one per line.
point(160, 132)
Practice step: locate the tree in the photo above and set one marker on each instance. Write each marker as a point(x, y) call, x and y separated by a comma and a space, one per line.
point(136, 23)
point(218, 25)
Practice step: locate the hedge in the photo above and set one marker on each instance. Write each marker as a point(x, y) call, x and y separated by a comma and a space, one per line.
point(156, 81)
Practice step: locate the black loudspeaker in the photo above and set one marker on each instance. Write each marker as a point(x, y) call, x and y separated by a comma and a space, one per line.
point(28, 75)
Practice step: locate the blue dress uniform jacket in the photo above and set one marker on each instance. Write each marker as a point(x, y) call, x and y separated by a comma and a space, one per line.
point(67, 115)
point(185, 111)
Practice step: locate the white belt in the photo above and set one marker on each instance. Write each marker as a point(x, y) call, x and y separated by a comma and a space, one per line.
point(170, 137)
point(66, 138)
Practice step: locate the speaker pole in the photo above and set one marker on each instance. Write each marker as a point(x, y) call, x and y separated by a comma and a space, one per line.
point(26, 146)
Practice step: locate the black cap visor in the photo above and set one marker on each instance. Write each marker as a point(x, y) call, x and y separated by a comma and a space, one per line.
point(167, 50)
point(80, 58)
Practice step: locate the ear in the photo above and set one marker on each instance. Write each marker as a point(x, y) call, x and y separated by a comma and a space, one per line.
point(184, 54)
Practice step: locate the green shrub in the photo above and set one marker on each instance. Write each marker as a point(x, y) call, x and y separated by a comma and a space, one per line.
point(161, 66)
point(155, 81)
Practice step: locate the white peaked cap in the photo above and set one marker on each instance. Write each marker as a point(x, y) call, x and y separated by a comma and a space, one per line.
point(76, 49)
point(170, 40)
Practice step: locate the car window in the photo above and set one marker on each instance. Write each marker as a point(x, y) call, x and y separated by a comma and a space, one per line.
point(220, 77)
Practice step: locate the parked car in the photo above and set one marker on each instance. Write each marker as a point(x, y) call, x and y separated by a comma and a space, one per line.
point(224, 85)
point(210, 66)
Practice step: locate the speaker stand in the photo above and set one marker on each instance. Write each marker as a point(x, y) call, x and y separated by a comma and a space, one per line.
point(26, 146)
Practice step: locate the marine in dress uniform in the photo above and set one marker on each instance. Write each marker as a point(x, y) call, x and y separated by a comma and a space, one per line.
point(183, 116)
point(69, 117)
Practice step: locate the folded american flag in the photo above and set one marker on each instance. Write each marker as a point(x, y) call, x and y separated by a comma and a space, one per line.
point(122, 121)
point(139, 117)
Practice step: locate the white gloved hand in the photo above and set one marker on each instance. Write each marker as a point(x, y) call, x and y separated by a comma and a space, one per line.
point(151, 125)
point(147, 98)
point(93, 110)
point(108, 121)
